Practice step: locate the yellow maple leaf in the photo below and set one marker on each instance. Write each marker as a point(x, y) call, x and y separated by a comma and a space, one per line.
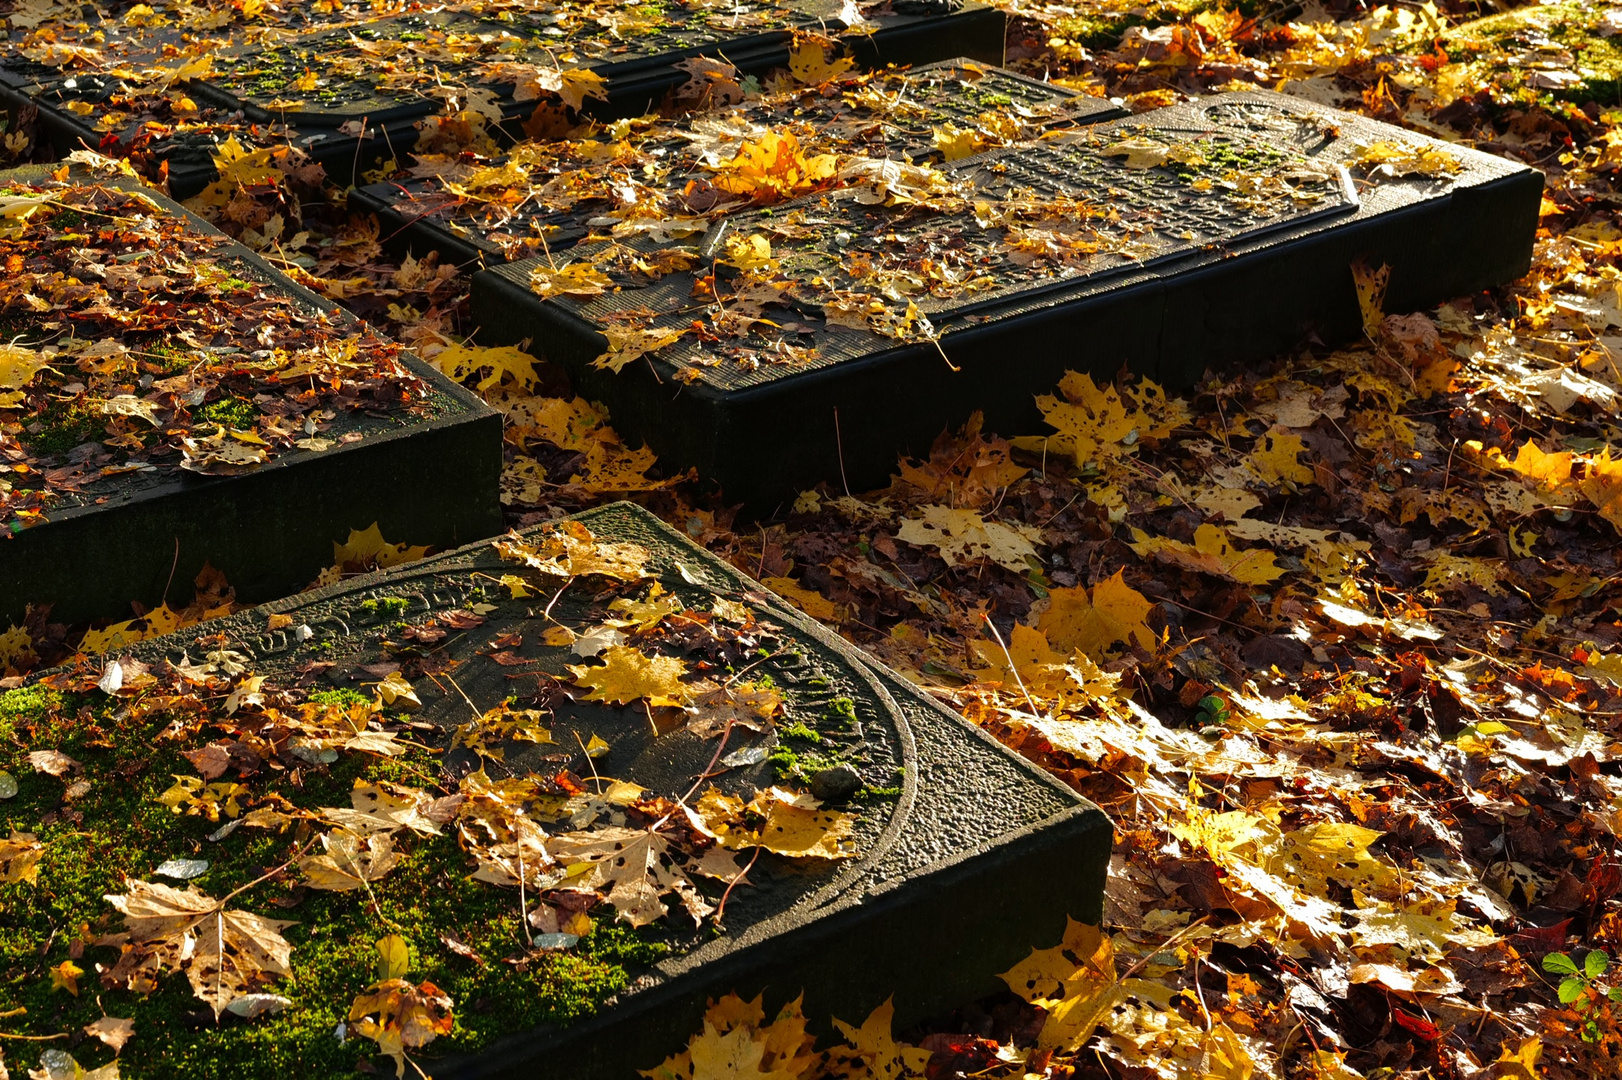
point(1395, 158)
point(1040, 670)
point(1520, 1063)
point(752, 252)
point(18, 366)
point(1074, 982)
point(1547, 470)
point(1042, 974)
point(1370, 283)
point(628, 675)
point(111, 637)
point(812, 603)
point(569, 549)
point(964, 536)
point(646, 613)
point(809, 61)
point(367, 546)
point(399, 1017)
point(873, 1047)
point(955, 143)
point(788, 824)
point(1210, 553)
point(1602, 486)
point(19, 858)
point(1075, 621)
point(578, 279)
point(65, 976)
point(1100, 425)
point(774, 167)
point(1275, 460)
point(573, 86)
point(503, 361)
point(737, 1044)
point(628, 343)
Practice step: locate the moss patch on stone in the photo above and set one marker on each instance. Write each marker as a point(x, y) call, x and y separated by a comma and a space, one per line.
point(119, 828)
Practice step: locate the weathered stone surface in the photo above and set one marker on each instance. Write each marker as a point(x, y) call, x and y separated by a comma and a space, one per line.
point(140, 527)
point(968, 860)
point(882, 115)
point(1218, 231)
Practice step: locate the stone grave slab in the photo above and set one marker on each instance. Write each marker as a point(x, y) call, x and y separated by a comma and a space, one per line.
point(351, 94)
point(957, 856)
point(892, 114)
point(169, 399)
point(89, 83)
point(774, 351)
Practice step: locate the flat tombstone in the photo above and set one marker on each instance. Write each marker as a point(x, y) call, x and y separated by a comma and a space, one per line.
point(814, 341)
point(571, 188)
point(168, 400)
point(934, 860)
point(351, 95)
point(379, 79)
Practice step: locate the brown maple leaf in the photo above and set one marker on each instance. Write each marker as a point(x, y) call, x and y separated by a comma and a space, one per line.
point(224, 953)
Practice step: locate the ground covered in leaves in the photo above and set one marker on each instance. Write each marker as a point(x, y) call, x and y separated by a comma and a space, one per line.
point(1334, 639)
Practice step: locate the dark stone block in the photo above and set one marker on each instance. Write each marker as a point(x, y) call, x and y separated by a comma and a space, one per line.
point(432, 478)
point(260, 78)
point(1232, 259)
point(422, 215)
point(971, 859)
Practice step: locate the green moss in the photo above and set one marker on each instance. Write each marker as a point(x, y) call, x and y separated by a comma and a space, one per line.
point(342, 696)
point(62, 426)
point(1496, 44)
point(233, 412)
point(842, 711)
point(387, 606)
point(119, 828)
point(24, 706)
point(798, 730)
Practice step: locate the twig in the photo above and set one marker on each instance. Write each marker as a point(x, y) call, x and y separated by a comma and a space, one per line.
point(720, 909)
point(1011, 665)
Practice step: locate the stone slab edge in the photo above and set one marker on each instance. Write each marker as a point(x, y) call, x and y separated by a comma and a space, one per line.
point(270, 531)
